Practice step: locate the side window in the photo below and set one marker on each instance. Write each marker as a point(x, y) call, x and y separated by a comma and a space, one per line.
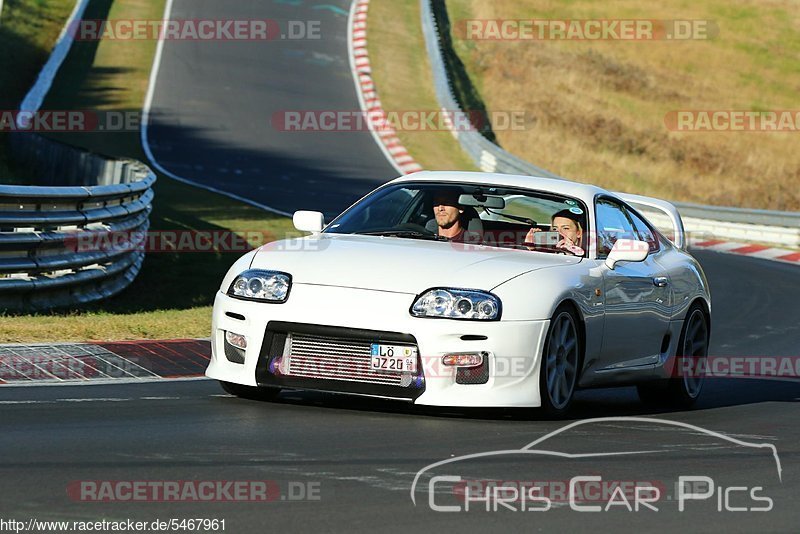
point(612, 224)
point(644, 232)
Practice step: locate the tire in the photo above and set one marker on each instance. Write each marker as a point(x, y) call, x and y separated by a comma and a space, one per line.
point(250, 392)
point(683, 389)
point(560, 367)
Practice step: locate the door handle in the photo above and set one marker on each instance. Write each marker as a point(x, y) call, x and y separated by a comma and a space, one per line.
point(660, 281)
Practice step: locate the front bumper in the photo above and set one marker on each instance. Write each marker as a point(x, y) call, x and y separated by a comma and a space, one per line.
point(512, 348)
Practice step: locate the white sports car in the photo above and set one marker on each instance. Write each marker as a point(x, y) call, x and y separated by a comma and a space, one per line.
point(470, 289)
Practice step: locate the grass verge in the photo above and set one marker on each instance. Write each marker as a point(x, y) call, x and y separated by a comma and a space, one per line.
point(403, 79)
point(172, 296)
point(28, 31)
point(596, 109)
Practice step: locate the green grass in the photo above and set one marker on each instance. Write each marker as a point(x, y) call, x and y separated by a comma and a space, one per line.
point(403, 80)
point(173, 294)
point(107, 76)
point(28, 30)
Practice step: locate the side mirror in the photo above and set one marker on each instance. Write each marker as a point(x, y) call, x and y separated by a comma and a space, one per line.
point(627, 250)
point(309, 221)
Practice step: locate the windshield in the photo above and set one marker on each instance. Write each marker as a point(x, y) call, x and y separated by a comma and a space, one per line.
point(484, 215)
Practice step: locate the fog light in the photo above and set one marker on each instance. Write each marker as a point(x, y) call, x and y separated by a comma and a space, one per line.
point(237, 340)
point(469, 359)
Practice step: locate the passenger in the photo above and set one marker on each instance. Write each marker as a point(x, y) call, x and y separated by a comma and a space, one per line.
point(570, 226)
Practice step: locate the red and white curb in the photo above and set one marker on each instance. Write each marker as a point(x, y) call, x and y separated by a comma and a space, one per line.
point(385, 135)
point(103, 362)
point(754, 251)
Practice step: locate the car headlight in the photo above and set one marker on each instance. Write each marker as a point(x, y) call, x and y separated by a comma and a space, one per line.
point(457, 304)
point(265, 286)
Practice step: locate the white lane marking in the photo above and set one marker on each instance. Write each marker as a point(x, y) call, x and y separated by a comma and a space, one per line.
point(36, 95)
point(106, 399)
point(98, 382)
point(27, 402)
point(95, 399)
point(148, 102)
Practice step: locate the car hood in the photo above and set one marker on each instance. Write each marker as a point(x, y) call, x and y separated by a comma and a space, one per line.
point(398, 265)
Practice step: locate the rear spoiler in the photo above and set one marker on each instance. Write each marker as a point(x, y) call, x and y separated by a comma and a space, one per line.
point(666, 216)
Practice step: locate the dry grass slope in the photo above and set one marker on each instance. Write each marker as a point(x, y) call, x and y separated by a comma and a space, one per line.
point(596, 109)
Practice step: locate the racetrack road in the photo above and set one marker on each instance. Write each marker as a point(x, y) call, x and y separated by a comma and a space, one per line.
point(217, 107)
point(360, 456)
point(337, 463)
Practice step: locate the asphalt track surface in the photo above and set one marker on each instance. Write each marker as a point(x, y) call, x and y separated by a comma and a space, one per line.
point(216, 107)
point(363, 455)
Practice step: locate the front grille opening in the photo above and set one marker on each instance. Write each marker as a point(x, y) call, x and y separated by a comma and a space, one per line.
point(330, 358)
point(338, 359)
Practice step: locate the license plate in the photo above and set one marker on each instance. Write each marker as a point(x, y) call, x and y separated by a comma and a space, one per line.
point(400, 358)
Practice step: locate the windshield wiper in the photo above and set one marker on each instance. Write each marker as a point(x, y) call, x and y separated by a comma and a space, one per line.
point(517, 218)
point(408, 234)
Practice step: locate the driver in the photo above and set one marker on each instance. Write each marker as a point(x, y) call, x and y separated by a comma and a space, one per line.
point(448, 215)
point(570, 226)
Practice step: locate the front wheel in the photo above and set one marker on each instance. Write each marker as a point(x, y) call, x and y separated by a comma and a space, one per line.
point(558, 376)
point(250, 392)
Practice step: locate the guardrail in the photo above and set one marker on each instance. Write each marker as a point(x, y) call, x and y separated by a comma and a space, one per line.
point(42, 262)
point(701, 221)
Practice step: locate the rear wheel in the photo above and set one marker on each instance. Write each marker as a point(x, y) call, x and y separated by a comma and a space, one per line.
point(250, 392)
point(683, 389)
point(558, 376)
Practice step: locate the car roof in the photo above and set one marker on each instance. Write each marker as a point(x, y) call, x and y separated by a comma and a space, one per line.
point(585, 192)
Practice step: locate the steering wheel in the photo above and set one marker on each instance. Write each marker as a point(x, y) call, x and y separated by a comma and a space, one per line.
point(414, 227)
